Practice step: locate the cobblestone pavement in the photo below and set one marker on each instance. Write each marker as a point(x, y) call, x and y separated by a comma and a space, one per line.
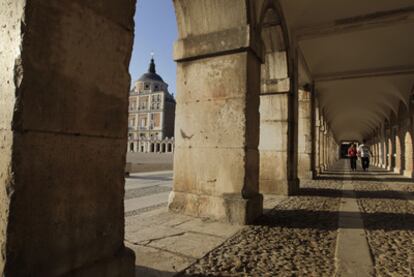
point(389, 224)
point(297, 238)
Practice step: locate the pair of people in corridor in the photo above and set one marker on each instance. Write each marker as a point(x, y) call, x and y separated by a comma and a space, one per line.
point(363, 152)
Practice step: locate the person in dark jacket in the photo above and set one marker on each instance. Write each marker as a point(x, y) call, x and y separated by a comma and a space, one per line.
point(353, 156)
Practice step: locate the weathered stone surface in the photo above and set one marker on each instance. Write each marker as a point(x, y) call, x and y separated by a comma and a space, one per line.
point(86, 90)
point(63, 111)
point(225, 175)
point(184, 244)
point(51, 188)
point(231, 208)
point(215, 43)
point(152, 262)
point(205, 105)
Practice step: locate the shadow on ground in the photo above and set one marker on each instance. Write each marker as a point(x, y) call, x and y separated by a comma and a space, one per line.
point(141, 271)
point(384, 194)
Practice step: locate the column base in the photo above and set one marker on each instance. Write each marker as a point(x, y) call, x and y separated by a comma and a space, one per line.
point(308, 175)
point(122, 265)
point(408, 173)
point(231, 208)
point(397, 170)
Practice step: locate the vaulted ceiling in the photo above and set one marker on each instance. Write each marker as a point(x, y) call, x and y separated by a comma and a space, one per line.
point(360, 54)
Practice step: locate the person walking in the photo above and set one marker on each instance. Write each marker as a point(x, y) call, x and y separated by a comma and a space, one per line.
point(364, 153)
point(352, 154)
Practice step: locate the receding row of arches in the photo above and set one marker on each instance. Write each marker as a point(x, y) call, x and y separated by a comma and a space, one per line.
point(393, 147)
point(242, 128)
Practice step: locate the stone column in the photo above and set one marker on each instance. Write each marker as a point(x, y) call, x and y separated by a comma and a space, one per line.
point(374, 153)
point(64, 87)
point(390, 152)
point(277, 169)
point(381, 152)
point(216, 158)
point(321, 147)
point(398, 153)
point(386, 152)
point(316, 142)
point(325, 149)
point(305, 135)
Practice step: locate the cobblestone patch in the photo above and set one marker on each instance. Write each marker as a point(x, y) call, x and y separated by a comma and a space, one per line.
point(297, 238)
point(389, 224)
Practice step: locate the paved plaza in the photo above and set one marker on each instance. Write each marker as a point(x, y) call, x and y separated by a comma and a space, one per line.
point(359, 224)
point(145, 192)
point(150, 162)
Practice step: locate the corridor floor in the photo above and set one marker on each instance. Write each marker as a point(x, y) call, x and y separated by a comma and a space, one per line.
point(313, 234)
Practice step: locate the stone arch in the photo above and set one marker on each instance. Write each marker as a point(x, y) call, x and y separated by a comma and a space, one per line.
point(408, 167)
point(278, 109)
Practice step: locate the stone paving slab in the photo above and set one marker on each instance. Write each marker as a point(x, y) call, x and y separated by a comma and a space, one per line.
point(152, 262)
point(352, 255)
point(165, 243)
point(189, 244)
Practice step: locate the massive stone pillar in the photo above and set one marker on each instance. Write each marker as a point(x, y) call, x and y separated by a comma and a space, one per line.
point(390, 155)
point(216, 161)
point(408, 168)
point(305, 135)
point(316, 141)
point(399, 159)
point(325, 149)
point(322, 147)
point(277, 164)
point(374, 158)
point(381, 152)
point(64, 86)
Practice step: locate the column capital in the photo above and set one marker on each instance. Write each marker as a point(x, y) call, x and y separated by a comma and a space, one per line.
point(218, 43)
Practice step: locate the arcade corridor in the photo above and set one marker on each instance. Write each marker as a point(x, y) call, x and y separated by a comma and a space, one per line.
point(267, 90)
point(331, 238)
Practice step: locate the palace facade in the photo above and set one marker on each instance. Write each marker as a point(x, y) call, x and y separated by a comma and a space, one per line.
point(151, 114)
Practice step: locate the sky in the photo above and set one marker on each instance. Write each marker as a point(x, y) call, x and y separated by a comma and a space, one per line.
point(155, 31)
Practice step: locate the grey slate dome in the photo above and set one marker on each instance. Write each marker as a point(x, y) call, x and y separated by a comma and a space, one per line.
point(151, 75)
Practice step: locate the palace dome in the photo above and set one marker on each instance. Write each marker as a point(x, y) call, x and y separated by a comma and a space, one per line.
point(151, 75)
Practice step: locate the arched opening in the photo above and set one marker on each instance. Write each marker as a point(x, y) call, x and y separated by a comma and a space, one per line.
point(131, 147)
point(408, 167)
point(277, 107)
